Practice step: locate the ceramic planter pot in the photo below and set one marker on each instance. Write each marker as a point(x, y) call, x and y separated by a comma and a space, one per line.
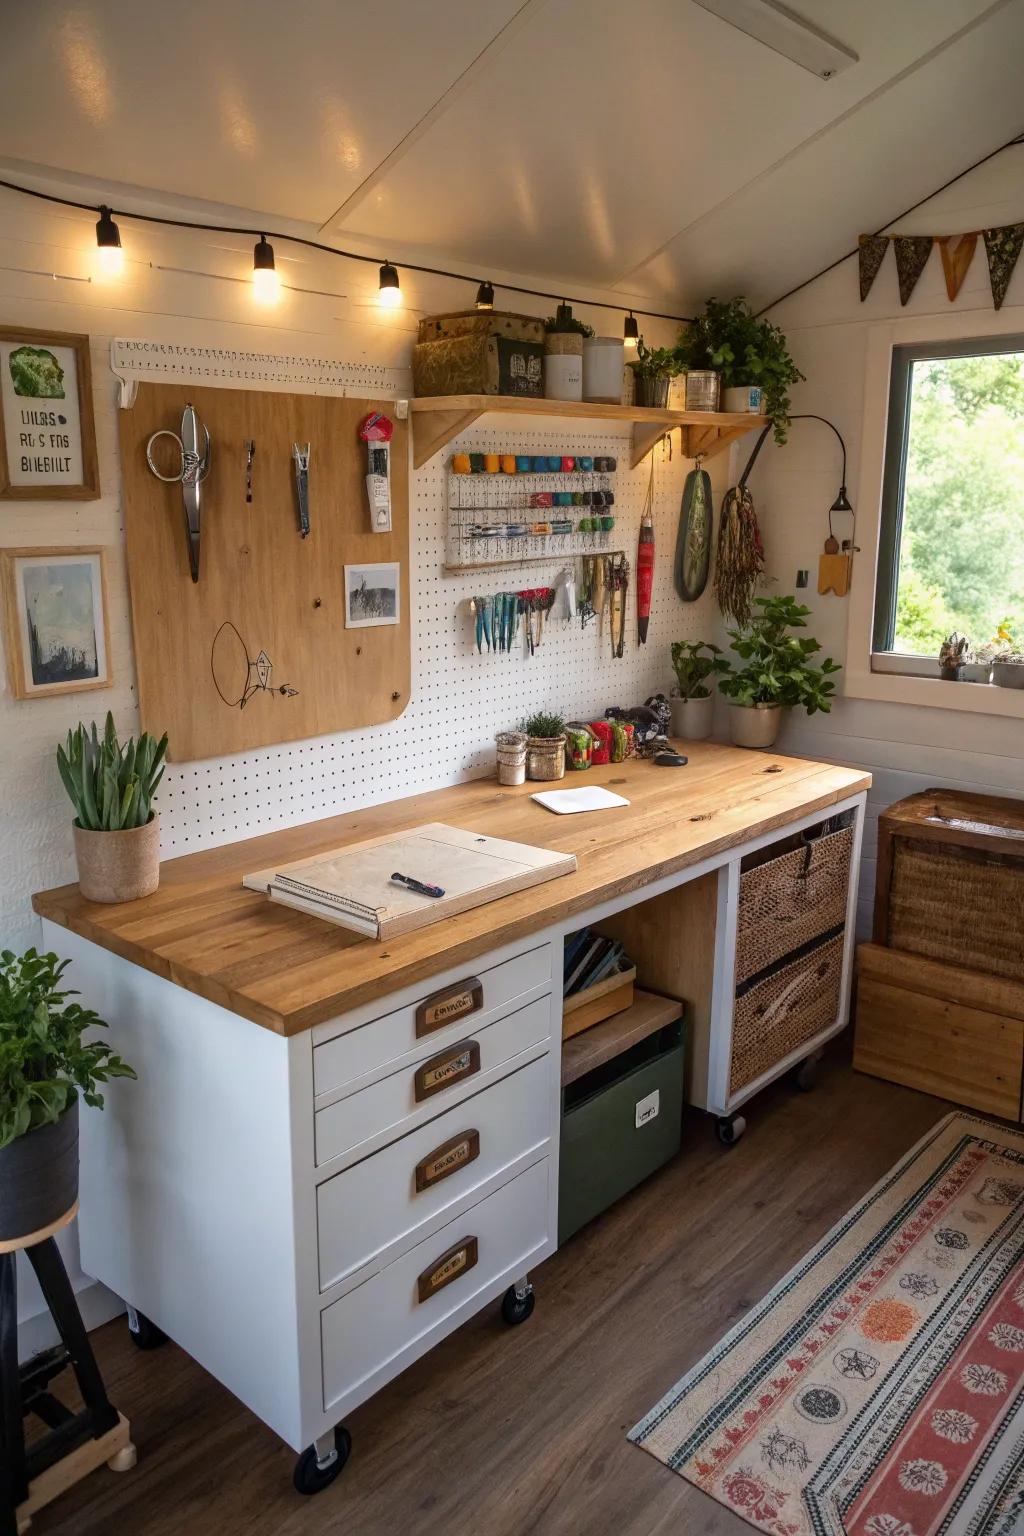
point(692, 719)
point(563, 374)
point(118, 866)
point(1008, 674)
point(952, 674)
point(754, 725)
point(39, 1177)
point(744, 399)
point(545, 757)
point(603, 358)
point(702, 390)
point(650, 389)
point(511, 757)
point(977, 672)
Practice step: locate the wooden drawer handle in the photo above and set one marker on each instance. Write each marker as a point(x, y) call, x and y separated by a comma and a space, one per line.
point(450, 1066)
point(453, 1003)
point(457, 1261)
point(447, 1159)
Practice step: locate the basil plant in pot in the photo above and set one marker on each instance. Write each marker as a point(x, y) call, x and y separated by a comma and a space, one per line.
point(750, 356)
point(44, 1065)
point(777, 672)
point(116, 830)
point(653, 370)
point(696, 664)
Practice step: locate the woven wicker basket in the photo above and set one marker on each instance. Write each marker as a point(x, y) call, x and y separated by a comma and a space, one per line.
point(789, 900)
point(784, 1011)
point(959, 905)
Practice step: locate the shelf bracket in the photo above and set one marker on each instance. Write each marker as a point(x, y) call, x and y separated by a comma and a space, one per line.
point(646, 438)
point(431, 432)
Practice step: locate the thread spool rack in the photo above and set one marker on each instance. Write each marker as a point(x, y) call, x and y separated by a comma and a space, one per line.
point(493, 516)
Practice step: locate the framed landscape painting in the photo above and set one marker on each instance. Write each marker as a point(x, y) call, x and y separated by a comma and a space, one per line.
point(47, 432)
point(55, 620)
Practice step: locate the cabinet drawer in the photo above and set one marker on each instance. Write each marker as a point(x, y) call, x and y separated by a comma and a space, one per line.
point(387, 1195)
point(441, 1015)
point(366, 1330)
point(422, 1090)
point(791, 898)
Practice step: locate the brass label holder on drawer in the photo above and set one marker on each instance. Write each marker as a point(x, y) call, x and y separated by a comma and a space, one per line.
point(457, 1261)
point(453, 1003)
point(450, 1066)
point(448, 1158)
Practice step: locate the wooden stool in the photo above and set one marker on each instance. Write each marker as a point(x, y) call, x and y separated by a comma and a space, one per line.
point(75, 1443)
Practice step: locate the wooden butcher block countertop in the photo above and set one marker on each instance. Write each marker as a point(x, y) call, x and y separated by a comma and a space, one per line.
point(289, 971)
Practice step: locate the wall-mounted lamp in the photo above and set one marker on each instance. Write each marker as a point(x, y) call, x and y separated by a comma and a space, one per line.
point(835, 564)
point(108, 245)
point(630, 331)
point(485, 296)
point(390, 296)
point(266, 280)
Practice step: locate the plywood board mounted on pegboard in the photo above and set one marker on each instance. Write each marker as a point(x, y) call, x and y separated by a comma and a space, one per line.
point(256, 651)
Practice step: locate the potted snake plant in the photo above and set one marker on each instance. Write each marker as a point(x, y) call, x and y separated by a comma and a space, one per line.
point(44, 1065)
point(116, 829)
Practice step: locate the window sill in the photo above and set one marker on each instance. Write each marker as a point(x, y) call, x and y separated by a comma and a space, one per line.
point(931, 692)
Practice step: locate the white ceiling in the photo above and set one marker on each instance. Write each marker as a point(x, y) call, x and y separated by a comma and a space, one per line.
point(648, 146)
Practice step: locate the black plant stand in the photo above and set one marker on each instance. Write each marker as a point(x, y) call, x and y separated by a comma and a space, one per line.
point(74, 1443)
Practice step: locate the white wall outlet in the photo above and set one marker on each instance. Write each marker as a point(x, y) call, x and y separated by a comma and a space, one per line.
point(648, 1108)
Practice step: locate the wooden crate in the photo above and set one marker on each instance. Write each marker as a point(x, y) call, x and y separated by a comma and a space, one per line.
point(941, 1029)
point(584, 1009)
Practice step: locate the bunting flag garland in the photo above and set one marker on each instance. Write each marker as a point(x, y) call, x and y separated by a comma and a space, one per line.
point(957, 252)
point(1002, 247)
point(871, 255)
point(912, 252)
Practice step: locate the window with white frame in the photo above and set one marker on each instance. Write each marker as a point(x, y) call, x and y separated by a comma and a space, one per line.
point(951, 547)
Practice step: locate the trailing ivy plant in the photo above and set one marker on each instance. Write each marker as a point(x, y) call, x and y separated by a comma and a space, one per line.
point(694, 662)
point(111, 787)
point(730, 338)
point(44, 1061)
point(777, 664)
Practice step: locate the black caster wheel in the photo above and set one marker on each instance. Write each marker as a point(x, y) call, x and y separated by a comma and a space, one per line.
point(144, 1334)
point(310, 1476)
point(729, 1129)
point(516, 1309)
point(806, 1074)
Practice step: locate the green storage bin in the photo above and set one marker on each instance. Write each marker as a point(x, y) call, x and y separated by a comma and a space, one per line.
point(604, 1151)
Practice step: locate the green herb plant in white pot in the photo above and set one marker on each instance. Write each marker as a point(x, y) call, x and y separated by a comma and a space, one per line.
point(116, 830)
point(44, 1064)
point(696, 663)
point(777, 672)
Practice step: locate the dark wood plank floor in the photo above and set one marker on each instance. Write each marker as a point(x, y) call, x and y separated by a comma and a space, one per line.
point(514, 1431)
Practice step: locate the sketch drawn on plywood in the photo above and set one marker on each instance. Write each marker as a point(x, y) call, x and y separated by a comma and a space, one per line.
point(236, 676)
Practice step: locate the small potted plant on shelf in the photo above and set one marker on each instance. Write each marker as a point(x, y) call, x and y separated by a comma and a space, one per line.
point(545, 745)
point(44, 1064)
point(696, 663)
point(563, 354)
point(1005, 657)
point(653, 370)
point(953, 656)
point(749, 358)
point(116, 829)
point(777, 672)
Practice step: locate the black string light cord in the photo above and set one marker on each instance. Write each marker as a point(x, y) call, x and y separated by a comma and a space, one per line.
point(262, 232)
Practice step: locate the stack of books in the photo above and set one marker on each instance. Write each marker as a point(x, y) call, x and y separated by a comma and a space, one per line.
point(590, 958)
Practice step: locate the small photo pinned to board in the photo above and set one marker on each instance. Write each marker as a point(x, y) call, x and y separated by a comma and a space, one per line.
point(55, 620)
point(372, 595)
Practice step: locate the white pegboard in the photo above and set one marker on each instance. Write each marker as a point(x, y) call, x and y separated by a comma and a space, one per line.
point(161, 362)
point(459, 698)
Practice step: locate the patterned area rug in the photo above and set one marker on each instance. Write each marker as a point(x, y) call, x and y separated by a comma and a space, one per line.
point(879, 1389)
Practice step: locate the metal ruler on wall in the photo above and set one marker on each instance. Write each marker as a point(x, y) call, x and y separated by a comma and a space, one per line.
point(163, 362)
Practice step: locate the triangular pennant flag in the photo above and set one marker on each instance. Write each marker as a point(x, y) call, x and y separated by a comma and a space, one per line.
point(956, 258)
point(1002, 247)
point(912, 252)
point(871, 254)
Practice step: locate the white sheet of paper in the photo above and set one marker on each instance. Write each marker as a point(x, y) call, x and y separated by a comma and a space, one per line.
point(587, 798)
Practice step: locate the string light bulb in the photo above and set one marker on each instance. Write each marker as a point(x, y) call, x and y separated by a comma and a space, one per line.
point(266, 280)
point(630, 331)
point(390, 296)
point(485, 296)
point(108, 245)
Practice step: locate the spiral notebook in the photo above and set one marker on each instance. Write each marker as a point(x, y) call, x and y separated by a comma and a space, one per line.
point(352, 886)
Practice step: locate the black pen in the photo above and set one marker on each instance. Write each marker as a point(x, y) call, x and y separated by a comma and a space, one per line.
point(419, 886)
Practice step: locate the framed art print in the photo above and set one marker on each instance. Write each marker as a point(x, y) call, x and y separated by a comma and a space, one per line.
point(372, 595)
point(47, 433)
point(55, 620)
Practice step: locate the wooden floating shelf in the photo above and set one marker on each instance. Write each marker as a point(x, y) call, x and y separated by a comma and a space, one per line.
point(594, 1046)
point(437, 419)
